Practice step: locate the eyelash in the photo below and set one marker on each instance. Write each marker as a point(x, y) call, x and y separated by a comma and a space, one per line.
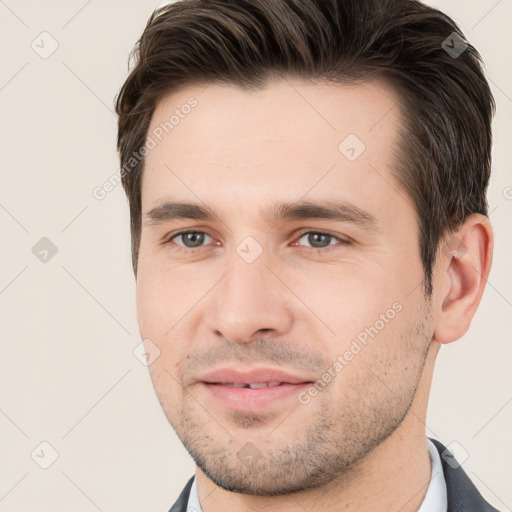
point(298, 237)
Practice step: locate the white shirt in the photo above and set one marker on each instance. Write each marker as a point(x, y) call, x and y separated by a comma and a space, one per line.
point(435, 500)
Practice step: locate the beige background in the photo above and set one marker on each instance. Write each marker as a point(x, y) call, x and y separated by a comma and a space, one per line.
point(68, 328)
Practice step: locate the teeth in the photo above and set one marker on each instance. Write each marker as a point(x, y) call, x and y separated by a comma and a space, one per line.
point(256, 385)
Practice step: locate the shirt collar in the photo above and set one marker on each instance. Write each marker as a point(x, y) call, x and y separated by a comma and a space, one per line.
point(436, 498)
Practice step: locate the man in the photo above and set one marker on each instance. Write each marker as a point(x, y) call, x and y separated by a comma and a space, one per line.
point(307, 185)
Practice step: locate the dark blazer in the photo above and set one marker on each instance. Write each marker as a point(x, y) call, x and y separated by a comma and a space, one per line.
point(463, 496)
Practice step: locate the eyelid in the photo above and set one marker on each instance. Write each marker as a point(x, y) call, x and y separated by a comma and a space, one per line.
point(343, 239)
point(169, 238)
point(302, 232)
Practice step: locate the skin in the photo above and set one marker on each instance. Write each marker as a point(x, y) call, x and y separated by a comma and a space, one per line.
point(360, 444)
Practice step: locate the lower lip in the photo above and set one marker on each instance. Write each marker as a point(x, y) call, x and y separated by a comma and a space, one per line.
point(247, 399)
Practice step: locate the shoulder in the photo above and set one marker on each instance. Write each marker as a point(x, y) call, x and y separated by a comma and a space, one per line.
point(463, 496)
point(181, 503)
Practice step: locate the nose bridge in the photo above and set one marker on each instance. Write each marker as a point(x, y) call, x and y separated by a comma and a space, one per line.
point(250, 298)
point(245, 281)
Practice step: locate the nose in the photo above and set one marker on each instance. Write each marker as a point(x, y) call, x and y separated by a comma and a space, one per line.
point(250, 301)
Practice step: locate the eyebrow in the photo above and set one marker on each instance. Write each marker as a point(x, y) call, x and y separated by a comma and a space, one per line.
point(338, 210)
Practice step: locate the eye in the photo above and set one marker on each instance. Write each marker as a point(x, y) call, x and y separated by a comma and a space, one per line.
point(190, 239)
point(320, 239)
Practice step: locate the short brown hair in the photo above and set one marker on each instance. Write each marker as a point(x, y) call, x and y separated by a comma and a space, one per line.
point(443, 158)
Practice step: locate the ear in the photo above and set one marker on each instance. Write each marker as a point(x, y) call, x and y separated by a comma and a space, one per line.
point(462, 272)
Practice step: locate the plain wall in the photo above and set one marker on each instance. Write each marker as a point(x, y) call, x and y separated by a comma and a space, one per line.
point(68, 375)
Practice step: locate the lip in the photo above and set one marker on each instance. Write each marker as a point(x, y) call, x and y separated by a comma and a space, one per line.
point(219, 384)
point(255, 375)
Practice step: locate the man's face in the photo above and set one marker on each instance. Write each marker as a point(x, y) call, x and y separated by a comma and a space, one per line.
point(328, 311)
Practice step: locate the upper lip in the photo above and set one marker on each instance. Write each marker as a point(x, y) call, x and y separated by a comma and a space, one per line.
point(253, 376)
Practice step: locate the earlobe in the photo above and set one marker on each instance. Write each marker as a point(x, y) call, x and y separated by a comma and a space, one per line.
point(463, 270)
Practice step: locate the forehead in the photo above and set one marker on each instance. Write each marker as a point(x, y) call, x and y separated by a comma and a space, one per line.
point(283, 138)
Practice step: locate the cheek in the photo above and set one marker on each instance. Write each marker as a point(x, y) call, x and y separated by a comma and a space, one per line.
point(383, 357)
point(162, 305)
point(346, 298)
point(162, 298)
point(165, 382)
point(368, 320)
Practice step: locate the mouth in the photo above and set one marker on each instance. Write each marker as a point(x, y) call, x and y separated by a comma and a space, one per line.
point(253, 390)
point(251, 385)
point(254, 377)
